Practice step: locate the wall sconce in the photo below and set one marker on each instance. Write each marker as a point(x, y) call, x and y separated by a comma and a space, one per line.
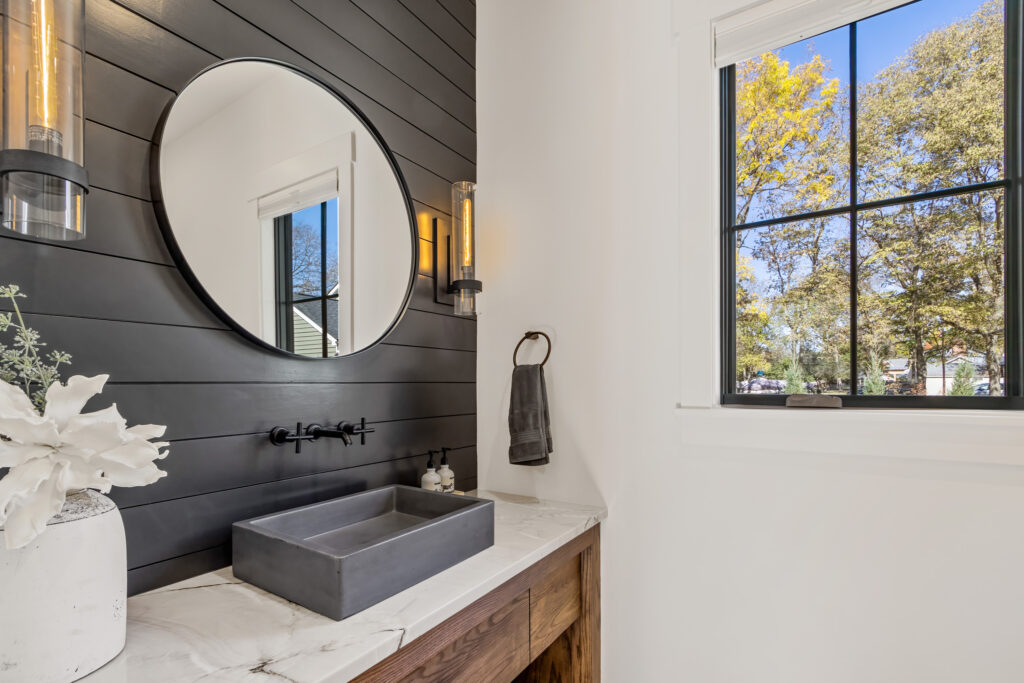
point(42, 180)
point(456, 260)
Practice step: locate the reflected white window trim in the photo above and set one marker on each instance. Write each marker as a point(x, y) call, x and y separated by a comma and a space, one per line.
point(773, 24)
point(305, 193)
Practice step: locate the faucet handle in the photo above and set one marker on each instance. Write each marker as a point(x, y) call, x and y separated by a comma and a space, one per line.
point(279, 436)
point(360, 430)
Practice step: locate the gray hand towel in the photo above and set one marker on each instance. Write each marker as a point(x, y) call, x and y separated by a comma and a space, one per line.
point(529, 422)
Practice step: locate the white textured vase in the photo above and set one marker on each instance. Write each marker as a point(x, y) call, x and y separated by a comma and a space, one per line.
point(62, 597)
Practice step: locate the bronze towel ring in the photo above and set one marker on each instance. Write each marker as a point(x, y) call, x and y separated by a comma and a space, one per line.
point(532, 335)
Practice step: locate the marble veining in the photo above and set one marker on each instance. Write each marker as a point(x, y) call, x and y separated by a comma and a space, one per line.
point(215, 627)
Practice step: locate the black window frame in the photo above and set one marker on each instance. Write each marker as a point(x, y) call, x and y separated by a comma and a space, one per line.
point(284, 284)
point(1011, 184)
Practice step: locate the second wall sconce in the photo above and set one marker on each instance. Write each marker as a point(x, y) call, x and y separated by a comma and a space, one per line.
point(42, 180)
point(455, 253)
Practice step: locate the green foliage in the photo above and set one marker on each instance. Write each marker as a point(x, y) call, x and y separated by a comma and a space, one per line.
point(21, 362)
point(963, 379)
point(795, 379)
point(930, 120)
point(874, 379)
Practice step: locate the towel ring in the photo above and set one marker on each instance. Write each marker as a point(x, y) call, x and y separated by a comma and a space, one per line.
point(532, 335)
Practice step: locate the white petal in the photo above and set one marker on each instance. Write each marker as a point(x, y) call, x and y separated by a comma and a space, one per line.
point(147, 431)
point(94, 433)
point(28, 516)
point(82, 474)
point(14, 402)
point(125, 475)
point(21, 481)
point(29, 430)
point(65, 401)
point(13, 453)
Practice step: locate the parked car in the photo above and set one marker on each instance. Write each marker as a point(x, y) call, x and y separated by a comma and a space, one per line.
point(983, 388)
point(762, 385)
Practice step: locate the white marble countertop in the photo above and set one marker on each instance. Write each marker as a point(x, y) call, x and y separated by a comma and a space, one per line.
point(214, 627)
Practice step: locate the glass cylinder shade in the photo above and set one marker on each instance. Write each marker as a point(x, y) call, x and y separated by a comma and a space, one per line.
point(464, 280)
point(42, 179)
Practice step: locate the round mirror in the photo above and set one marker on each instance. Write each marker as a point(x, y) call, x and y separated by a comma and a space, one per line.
point(285, 209)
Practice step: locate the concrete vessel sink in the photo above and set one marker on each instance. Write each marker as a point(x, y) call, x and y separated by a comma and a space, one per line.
point(341, 556)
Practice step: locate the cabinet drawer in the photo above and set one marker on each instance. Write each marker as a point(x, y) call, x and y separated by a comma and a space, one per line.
point(554, 605)
point(496, 649)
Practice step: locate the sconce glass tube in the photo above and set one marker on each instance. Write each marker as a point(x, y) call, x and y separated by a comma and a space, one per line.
point(464, 283)
point(42, 180)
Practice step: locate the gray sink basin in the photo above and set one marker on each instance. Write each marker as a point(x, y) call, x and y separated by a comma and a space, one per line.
point(344, 555)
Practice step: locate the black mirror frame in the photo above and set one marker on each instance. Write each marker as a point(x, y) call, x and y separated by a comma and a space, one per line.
point(178, 256)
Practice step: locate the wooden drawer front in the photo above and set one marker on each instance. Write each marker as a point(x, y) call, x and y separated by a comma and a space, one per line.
point(554, 605)
point(496, 649)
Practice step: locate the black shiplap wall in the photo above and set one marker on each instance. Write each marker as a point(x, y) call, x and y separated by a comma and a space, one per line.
point(118, 304)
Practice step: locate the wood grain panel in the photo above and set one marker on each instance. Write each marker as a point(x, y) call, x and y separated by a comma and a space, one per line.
point(494, 650)
point(208, 465)
point(445, 26)
point(464, 12)
point(405, 26)
point(371, 38)
point(116, 225)
point(117, 303)
point(186, 525)
point(319, 44)
point(122, 100)
point(580, 661)
point(554, 605)
point(203, 410)
point(140, 352)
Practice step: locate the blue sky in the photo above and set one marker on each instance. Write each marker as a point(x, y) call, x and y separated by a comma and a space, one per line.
point(880, 39)
point(311, 216)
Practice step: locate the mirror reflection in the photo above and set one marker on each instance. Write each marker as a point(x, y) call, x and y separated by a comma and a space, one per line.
point(285, 209)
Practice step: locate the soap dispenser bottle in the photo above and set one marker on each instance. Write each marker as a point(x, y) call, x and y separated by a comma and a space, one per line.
point(446, 473)
point(431, 480)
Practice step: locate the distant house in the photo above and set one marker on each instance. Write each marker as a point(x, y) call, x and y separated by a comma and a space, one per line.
point(898, 370)
point(307, 327)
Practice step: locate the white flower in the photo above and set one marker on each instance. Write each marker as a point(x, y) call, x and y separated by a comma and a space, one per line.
point(63, 450)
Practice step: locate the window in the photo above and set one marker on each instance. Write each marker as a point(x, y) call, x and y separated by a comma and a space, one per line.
point(306, 280)
point(870, 213)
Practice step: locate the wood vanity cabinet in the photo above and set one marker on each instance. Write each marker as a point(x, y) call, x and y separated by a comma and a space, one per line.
point(544, 624)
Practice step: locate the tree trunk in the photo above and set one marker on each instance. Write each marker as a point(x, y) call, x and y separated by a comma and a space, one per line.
point(994, 363)
point(919, 371)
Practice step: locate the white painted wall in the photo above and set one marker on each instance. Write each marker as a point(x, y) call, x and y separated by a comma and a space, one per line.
point(742, 545)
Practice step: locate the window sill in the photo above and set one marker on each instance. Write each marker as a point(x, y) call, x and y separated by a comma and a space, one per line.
point(980, 437)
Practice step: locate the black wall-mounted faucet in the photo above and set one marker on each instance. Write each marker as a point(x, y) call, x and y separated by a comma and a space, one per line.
point(344, 431)
point(279, 436)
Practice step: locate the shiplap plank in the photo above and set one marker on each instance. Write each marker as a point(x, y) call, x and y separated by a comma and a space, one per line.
point(371, 38)
point(140, 352)
point(404, 25)
point(464, 12)
point(68, 282)
point(206, 466)
point(117, 161)
point(120, 99)
point(404, 471)
point(186, 525)
point(203, 410)
point(123, 37)
point(73, 282)
point(434, 16)
point(435, 331)
point(294, 26)
point(117, 225)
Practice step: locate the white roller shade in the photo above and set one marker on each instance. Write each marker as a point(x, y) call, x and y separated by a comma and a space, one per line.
point(309, 192)
point(776, 23)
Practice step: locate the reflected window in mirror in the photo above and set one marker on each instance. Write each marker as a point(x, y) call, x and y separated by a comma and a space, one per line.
point(309, 306)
